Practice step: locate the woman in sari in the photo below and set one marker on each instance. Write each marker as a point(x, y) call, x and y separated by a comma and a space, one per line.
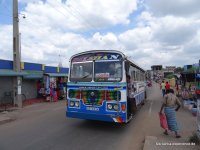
point(171, 104)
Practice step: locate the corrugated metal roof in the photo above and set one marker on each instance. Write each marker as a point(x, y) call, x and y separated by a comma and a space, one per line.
point(57, 74)
point(30, 74)
point(33, 75)
point(11, 73)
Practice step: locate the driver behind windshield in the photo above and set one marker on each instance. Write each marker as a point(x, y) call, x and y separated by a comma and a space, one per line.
point(114, 70)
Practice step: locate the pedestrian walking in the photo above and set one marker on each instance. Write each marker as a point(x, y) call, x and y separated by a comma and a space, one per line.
point(167, 86)
point(171, 104)
point(52, 91)
point(47, 93)
point(162, 87)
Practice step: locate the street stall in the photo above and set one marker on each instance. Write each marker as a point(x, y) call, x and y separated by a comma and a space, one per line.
point(55, 86)
point(33, 86)
point(197, 90)
point(191, 92)
point(188, 85)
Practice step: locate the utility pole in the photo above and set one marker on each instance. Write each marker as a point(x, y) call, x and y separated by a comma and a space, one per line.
point(17, 81)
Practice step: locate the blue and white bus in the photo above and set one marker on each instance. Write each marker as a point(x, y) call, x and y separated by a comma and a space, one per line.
point(104, 85)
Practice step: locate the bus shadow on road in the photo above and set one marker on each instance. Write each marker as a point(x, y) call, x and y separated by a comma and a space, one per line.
point(103, 126)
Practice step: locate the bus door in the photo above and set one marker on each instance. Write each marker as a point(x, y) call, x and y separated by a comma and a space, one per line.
point(131, 103)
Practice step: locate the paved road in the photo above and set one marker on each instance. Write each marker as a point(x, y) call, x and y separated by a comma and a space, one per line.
point(45, 127)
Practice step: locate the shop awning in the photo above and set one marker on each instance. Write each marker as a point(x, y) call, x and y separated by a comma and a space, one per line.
point(33, 75)
point(57, 74)
point(11, 73)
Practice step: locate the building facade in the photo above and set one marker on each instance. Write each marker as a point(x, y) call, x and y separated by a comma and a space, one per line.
point(31, 74)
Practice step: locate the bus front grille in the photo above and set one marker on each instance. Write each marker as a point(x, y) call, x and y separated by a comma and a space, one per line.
point(94, 97)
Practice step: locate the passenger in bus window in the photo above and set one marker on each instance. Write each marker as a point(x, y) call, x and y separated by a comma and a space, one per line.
point(115, 70)
point(118, 72)
point(87, 72)
point(111, 69)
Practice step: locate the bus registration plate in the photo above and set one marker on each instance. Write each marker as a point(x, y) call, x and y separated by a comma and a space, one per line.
point(92, 108)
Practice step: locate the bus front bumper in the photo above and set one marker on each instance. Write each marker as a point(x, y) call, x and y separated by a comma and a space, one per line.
point(108, 118)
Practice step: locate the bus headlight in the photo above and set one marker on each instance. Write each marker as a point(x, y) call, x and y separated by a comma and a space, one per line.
point(77, 104)
point(116, 107)
point(71, 104)
point(109, 106)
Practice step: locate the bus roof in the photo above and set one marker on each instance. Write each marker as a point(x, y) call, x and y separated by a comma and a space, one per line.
point(135, 64)
point(98, 51)
point(111, 51)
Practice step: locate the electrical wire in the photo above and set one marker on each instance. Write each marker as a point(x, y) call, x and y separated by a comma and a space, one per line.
point(86, 20)
point(4, 14)
point(57, 10)
point(5, 6)
point(7, 9)
point(75, 16)
point(82, 17)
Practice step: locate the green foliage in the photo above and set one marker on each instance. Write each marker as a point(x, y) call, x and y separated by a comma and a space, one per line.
point(192, 70)
point(178, 70)
point(170, 76)
point(194, 139)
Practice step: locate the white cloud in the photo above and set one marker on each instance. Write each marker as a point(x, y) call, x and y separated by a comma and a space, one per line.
point(107, 41)
point(183, 8)
point(175, 30)
point(170, 29)
point(160, 35)
point(6, 39)
point(136, 38)
point(79, 15)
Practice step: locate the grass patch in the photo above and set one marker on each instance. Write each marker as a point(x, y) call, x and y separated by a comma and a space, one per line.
point(194, 139)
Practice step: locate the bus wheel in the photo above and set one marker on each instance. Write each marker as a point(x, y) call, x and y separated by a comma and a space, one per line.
point(142, 103)
point(145, 95)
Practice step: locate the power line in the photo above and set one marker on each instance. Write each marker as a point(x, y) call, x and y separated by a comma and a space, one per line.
point(58, 10)
point(86, 20)
point(74, 15)
point(5, 6)
point(82, 17)
point(4, 14)
point(66, 10)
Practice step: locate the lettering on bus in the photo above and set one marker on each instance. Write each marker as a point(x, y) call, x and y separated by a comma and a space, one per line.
point(102, 75)
point(101, 56)
point(92, 87)
point(92, 108)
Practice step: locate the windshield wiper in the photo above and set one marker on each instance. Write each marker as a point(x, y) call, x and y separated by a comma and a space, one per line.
point(85, 76)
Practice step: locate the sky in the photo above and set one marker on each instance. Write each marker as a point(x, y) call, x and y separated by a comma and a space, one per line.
point(150, 32)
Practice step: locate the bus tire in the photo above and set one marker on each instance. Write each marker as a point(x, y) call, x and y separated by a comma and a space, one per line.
point(145, 95)
point(142, 103)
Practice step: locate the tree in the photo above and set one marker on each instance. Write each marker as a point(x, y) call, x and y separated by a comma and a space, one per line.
point(192, 70)
point(178, 70)
point(170, 76)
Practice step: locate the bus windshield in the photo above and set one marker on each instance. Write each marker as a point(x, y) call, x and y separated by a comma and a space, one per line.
point(81, 71)
point(108, 71)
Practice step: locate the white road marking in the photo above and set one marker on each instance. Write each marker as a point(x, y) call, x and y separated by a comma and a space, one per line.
point(150, 107)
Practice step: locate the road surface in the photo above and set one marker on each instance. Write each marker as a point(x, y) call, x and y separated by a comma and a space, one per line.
point(45, 127)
